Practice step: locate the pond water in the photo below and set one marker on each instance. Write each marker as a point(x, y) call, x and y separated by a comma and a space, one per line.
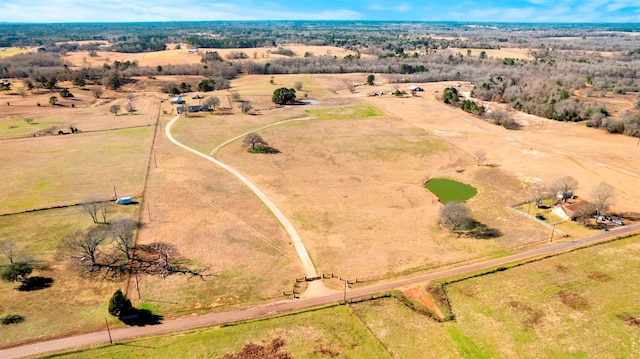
point(449, 190)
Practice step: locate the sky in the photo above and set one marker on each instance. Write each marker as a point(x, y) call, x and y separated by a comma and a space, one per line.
point(571, 11)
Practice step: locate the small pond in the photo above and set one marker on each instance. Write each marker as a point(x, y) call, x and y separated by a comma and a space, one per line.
point(449, 190)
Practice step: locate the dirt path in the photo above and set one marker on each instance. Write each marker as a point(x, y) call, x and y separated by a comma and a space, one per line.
point(280, 307)
point(301, 250)
point(424, 298)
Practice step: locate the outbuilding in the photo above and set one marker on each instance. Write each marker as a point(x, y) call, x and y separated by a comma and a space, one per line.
point(124, 200)
point(177, 100)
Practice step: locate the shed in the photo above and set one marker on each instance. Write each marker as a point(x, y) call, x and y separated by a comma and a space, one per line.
point(124, 200)
point(177, 100)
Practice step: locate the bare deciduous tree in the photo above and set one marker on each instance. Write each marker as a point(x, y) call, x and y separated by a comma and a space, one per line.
point(104, 210)
point(235, 96)
point(583, 214)
point(253, 139)
point(97, 92)
point(129, 107)
point(8, 248)
point(480, 156)
point(114, 109)
point(565, 186)
point(540, 192)
point(245, 107)
point(90, 206)
point(212, 102)
point(455, 216)
point(83, 245)
point(297, 85)
point(123, 235)
point(601, 196)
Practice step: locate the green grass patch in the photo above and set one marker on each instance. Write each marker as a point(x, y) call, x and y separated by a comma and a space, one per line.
point(449, 190)
point(13, 51)
point(329, 332)
point(346, 113)
point(16, 126)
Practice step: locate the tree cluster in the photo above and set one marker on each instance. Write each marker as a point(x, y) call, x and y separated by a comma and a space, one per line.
point(284, 96)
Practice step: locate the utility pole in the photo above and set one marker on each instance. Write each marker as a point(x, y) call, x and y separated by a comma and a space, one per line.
point(347, 284)
point(108, 330)
point(137, 286)
point(345, 291)
point(553, 229)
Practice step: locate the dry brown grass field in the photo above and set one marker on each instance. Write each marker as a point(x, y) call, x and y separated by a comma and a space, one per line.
point(349, 175)
point(181, 56)
point(514, 53)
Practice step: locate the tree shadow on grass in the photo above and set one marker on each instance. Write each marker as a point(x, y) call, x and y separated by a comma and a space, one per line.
point(141, 317)
point(482, 231)
point(35, 283)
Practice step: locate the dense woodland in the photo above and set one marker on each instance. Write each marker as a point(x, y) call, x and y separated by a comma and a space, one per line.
point(563, 58)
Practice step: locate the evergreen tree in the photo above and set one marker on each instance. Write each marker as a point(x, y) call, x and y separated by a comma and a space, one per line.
point(119, 305)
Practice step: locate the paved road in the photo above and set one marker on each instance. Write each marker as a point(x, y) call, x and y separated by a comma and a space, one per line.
point(97, 338)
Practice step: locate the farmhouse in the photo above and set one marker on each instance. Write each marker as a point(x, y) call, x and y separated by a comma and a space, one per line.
point(569, 210)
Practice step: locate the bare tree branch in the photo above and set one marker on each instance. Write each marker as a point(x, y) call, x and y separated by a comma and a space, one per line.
point(8, 248)
point(123, 235)
point(253, 139)
point(480, 156)
point(456, 216)
point(602, 196)
point(83, 245)
point(565, 186)
point(90, 206)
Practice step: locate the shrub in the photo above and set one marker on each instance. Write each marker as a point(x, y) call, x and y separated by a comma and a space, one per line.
point(614, 126)
point(16, 272)
point(284, 51)
point(12, 319)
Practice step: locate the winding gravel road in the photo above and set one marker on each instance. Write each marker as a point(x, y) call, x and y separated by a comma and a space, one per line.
point(301, 250)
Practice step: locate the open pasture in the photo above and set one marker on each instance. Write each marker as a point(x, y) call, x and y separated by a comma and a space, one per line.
point(541, 309)
point(363, 211)
point(514, 53)
point(350, 176)
point(72, 304)
point(49, 171)
point(182, 56)
point(545, 308)
point(12, 51)
point(330, 332)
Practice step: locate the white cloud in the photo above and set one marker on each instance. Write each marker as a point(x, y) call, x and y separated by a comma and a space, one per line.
point(395, 7)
